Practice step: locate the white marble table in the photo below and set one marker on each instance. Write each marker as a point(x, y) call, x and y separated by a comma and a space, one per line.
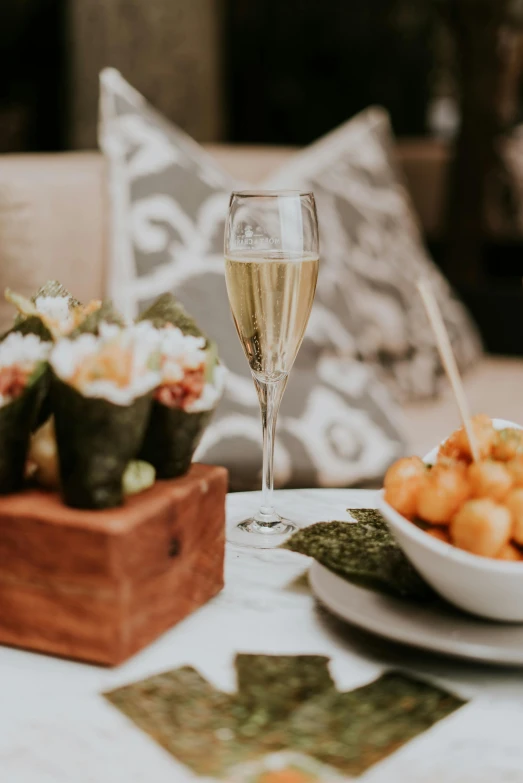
point(55, 727)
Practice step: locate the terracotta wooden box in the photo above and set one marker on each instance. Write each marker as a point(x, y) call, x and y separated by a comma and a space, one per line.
point(100, 585)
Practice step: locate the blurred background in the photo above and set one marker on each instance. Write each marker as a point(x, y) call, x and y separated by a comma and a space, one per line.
point(284, 72)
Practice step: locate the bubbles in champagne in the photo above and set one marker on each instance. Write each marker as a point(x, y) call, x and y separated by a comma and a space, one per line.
point(271, 298)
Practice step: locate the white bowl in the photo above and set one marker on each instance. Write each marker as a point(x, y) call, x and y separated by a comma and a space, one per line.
point(481, 585)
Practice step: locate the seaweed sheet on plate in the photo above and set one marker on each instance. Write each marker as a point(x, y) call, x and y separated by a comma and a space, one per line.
point(283, 704)
point(363, 552)
point(17, 420)
point(96, 439)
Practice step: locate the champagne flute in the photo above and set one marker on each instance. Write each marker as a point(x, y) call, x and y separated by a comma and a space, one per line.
point(271, 269)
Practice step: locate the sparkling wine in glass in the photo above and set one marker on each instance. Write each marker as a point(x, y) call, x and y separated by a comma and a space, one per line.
point(271, 268)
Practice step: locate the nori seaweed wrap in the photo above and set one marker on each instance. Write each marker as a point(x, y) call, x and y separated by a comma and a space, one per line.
point(53, 313)
point(171, 439)
point(191, 385)
point(23, 384)
point(104, 314)
point(101, 398)
point(31, 324)
point(167, 310)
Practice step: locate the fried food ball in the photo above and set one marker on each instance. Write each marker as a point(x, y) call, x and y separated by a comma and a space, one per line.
point(403, 482)
point(510, 552)
point(515, 468)
point(457, 446)
point(443, 491)
point(489, 479)
point(404, 468)
point(441, 533)
point(449, 449)
point(403, 497)
point(514, 503)
point(452, 463)
point(508, 444)
point(482, 527)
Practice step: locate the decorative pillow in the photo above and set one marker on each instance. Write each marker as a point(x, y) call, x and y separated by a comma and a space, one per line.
point(337, 427)
point(373, 256)
point(338, 424)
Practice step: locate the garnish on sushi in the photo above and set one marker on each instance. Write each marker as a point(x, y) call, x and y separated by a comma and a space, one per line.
point(23, 382)
point(191, 385)
point(191, 378)
point(474, 505)
point(53, 312)
point(102, 390)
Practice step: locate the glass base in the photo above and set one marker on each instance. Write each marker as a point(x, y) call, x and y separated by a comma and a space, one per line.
point(262, 531)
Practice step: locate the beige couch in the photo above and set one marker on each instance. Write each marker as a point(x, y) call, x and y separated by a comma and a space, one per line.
point(54, 224)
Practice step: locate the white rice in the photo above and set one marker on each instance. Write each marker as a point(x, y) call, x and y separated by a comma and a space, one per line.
point(57, 309)
point(68, 355)
point(212, 392)
point(24, 351)
point(181, 352)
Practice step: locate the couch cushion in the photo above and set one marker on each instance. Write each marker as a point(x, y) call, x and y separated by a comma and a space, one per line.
point(338, 425)
point(52, 224)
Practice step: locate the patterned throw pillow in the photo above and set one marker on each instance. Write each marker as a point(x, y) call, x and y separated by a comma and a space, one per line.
point(338, 424)
point(373, 256)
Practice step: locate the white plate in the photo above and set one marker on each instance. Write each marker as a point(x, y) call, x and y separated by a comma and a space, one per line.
point(439, 628)
point(482, 585)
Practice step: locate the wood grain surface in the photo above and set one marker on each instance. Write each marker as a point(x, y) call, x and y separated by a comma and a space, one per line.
point(100, 585)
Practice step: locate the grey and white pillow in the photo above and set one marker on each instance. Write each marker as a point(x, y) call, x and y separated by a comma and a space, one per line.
point(373, 256)
point(337, 427)
point(338, 424)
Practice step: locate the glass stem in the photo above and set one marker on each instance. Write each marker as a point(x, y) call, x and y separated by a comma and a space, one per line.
point(270, 395)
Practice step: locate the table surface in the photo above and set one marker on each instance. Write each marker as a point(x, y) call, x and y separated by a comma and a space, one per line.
point(55, 727)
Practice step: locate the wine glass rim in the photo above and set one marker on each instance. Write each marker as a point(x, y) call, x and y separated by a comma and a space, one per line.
point(273, 193)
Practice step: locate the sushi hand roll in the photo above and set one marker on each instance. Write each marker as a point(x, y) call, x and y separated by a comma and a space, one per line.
point(53, 312)
point(23, 384)
point(101, 396)
point(191, 385)
point(90, 317)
